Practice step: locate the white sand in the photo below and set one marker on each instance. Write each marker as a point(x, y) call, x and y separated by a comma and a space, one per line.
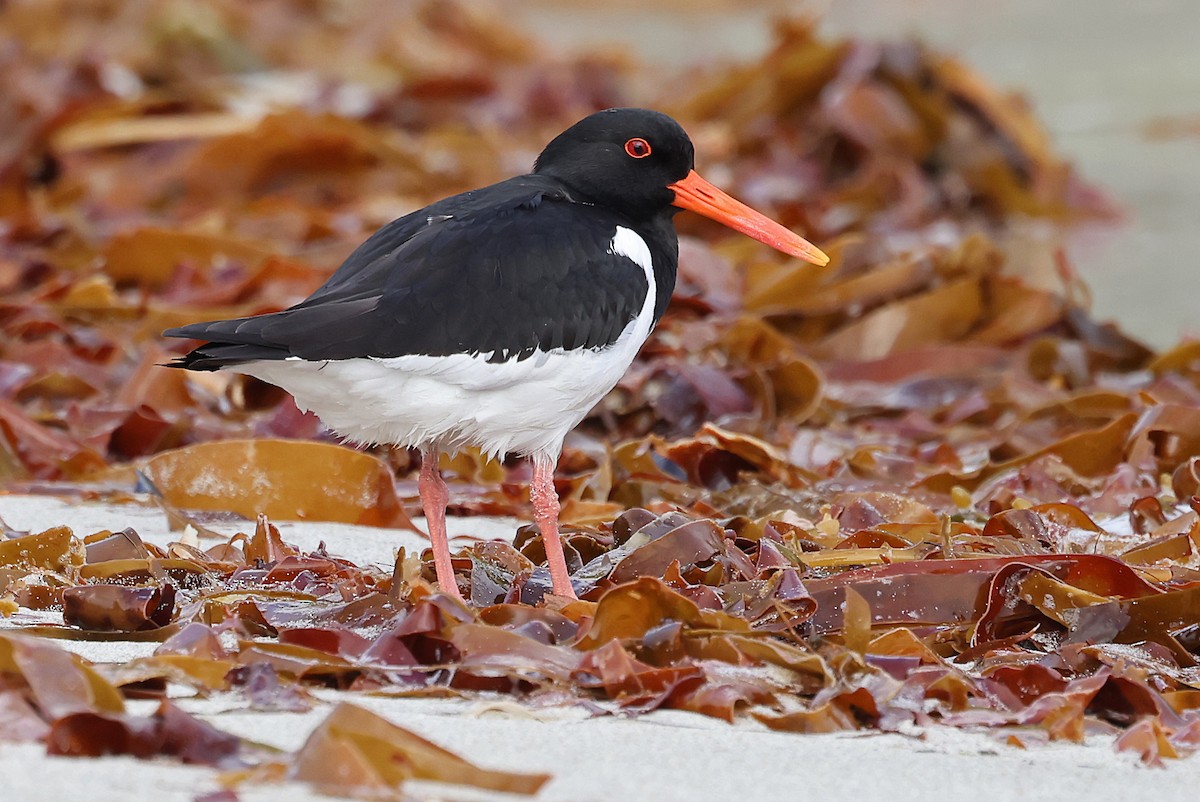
point(667, 755)
point(361, 544)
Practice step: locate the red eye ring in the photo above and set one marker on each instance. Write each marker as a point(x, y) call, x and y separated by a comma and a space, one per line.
point(637, 148)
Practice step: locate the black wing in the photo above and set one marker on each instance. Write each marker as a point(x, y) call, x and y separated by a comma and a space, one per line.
point(506, 270)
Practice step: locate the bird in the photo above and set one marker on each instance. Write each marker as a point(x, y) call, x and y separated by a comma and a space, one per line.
point(495, 318)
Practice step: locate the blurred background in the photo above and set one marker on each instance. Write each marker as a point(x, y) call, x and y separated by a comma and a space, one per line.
point(1115, 83)
point(978, 173)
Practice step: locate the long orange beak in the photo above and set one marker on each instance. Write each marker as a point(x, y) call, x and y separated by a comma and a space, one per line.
point(697, 195)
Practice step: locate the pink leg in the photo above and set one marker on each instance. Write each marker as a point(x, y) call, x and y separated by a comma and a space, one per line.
point(434, 497)
point(545, 513)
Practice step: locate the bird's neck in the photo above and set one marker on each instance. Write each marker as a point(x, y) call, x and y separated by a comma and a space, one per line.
point(663, 242)
point(657, 228)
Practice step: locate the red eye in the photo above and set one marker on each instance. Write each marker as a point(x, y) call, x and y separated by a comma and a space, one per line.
point(638, 148)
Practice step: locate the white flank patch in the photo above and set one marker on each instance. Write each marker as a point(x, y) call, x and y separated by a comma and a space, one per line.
point(518, 406)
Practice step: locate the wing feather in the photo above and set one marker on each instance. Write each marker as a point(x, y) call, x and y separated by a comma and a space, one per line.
point(489, 271)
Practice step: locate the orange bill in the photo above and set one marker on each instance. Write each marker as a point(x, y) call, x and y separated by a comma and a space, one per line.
point(697, 195)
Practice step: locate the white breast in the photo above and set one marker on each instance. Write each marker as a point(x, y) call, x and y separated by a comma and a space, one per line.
point(519, 406)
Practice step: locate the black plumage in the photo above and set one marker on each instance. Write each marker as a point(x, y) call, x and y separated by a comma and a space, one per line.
point(507, 270)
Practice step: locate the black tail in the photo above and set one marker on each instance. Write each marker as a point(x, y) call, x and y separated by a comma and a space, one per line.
point(231, 342)
point(214, 356)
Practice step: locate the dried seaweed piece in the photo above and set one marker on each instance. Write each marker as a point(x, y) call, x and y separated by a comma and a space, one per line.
point(186, 573)
point(276, 478)
point(1148, 618)
point(150, 254)
point(854, 705)
point(266, 546)
point(169, 731)
point(489, 650)
point(19, 722)
point(1150, 740)
point(340, 642)
point(550, 626)
point(261, 685)
point(494, 567)
point(41, 452)
point(635, 685)
point(55, 550)
point(711, 440)
point(631, 610)
point(201, 672)
point(193, 640)
point(693, 542)
point(111, 607)
point(88, 734)
point(953, 591)
point(1168, 548)
point(356, 753)
point(724, 694)
point(59, 682)
point(126, 544)
point(296, 661)
point(809, 670)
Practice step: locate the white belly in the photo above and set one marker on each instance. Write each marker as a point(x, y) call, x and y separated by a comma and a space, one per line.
point(514, 407)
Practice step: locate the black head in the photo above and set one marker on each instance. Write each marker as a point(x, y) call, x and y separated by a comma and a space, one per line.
point(621, 158)
point(639, 163)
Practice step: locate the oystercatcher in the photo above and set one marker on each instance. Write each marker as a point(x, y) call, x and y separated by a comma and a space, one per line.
point(496, 318)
